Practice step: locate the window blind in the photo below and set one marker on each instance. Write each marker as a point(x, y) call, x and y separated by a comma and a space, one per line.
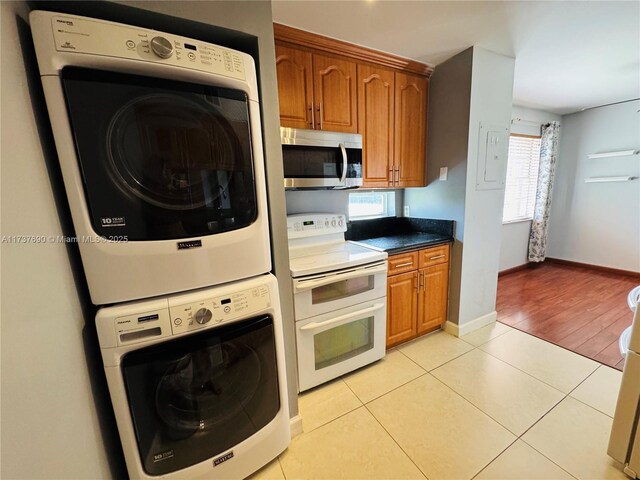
point(522, 178)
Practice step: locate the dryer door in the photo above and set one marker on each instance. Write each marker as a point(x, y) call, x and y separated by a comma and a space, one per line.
point(195, 397)
point(161, 159)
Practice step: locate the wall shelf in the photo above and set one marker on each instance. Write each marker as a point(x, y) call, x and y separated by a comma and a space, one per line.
point(621, 153)
point(625, 178)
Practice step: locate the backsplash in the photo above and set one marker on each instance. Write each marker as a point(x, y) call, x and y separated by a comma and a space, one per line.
point(384, 227)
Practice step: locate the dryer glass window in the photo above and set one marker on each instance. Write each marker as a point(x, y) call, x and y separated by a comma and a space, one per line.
point(161, 159)
point(193, 398)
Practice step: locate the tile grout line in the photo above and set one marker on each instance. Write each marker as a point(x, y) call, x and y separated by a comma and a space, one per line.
point(382, 426)
point(532, 376)
point(395, 441)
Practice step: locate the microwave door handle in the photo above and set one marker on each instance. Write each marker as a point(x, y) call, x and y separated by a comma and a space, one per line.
point(344, 163)
point(342, 318)
point(302, 285)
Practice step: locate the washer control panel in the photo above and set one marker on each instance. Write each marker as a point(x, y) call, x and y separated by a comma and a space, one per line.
point(81, 35)
point(217, 310)
point(314, 224)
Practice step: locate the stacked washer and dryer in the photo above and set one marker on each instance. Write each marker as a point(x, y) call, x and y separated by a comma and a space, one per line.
point(159, 143)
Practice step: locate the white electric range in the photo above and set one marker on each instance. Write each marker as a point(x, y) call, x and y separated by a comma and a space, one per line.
point(340, 298)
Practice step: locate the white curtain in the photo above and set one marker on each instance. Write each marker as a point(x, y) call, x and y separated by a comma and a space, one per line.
point(546, 172)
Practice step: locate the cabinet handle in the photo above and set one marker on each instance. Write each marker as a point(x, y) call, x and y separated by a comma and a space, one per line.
point(416, 281)
point(391, 180)
point(312, 122)
point(403, 265)
point(420, 280)
point(436, 257)
point(398, 175)
point(320, 116)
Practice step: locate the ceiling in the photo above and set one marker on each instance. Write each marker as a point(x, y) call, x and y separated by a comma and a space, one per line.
point(570, 55)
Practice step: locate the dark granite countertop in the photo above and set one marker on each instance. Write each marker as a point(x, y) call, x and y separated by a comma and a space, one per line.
point(400, 234)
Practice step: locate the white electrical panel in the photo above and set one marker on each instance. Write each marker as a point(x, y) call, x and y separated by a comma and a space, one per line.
point(493, 150)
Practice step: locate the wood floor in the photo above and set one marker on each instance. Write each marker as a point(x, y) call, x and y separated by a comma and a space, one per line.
point(577, 308)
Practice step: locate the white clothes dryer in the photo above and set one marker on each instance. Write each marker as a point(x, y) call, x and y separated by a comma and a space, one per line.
point(197, 380)
point(159, 142)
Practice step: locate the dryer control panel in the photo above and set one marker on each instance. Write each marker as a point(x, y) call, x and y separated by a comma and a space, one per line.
point(81, 35)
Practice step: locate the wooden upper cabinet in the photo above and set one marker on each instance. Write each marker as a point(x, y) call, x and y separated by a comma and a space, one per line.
point(334, 82)
point(411, 94)
point(375, 124)
point(295, 87)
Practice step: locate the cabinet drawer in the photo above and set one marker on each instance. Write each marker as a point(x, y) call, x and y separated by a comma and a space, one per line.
point(403, 262)
point(434, 256)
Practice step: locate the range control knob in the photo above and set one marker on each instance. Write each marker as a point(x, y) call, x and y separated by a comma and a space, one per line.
point(203, 316)
point(161, 47)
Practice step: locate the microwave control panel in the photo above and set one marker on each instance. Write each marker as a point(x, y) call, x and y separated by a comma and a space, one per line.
point(311, 225)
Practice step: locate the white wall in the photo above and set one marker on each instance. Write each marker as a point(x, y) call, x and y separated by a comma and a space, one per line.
point(597, 223)
point(515, 236)
point(50, 426)
point(491, 96)
point(471, 88)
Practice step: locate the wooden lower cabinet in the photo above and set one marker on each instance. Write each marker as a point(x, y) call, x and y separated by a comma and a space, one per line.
point(417, 300)
point(432, 299)
point(402, 307)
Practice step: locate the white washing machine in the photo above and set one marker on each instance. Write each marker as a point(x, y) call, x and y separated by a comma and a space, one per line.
point(159, 142)
point(197, 380)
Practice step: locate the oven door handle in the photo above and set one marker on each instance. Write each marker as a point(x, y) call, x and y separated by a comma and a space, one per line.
point(344, 163)
point(302, 285)
point(315, 325)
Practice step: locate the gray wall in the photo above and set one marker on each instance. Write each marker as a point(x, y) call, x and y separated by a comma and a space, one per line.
point(51, 426)
point(491, 96)
point(474, 86)
point(515, 236)
point(448, 131)
point(597, 223)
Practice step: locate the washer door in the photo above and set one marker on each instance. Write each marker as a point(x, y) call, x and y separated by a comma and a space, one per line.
point(194, 398)
point(161, 159)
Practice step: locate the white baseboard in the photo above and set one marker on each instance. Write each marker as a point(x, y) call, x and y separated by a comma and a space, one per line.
point(468, 327)
point(295, 424)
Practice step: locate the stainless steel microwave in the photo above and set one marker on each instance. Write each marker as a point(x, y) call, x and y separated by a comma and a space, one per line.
point(317, 159)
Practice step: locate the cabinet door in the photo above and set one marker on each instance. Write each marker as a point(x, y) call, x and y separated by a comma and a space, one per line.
point(411, 130)
point(295, 87)
point(402, 303)
point(334, 85)
point(432, 301)
point(375, 124)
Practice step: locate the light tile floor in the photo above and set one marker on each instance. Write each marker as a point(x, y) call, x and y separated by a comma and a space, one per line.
point(496, 404)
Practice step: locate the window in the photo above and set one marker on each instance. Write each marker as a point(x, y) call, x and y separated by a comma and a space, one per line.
point(365, 205)
point(522, 178)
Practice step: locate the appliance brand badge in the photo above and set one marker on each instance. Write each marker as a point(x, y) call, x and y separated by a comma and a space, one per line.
point(158, 457)
point(189, 244)
point(66, 22)
point(112, 221)
point(223, 458)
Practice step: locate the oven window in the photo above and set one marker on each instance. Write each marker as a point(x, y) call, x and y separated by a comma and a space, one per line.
point(161, 159)
point(342, 289)
point(341, 343)
point(195, 397)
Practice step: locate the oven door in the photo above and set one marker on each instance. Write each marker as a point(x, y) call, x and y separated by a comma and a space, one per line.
point(336, 343)
point(161, 159)
point(195, 397)
point(322, 293)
